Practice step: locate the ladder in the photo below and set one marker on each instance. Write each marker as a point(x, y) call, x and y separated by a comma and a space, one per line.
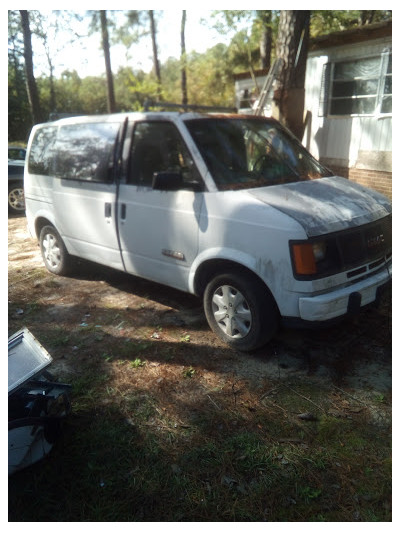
point(272, 75)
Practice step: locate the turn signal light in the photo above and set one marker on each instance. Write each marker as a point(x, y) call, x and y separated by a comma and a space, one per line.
point(304, 259)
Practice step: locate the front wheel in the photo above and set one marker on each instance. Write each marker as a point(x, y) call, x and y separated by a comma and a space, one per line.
point(240, 310)
point(54, 253)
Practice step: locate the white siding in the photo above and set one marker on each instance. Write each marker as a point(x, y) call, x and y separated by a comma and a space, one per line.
point(341, 138)
point(248, 84)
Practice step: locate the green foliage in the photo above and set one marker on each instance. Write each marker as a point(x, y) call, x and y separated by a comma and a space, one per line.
point(137, 363)
point(189, 372)
point(329, 21)
point(308, 494)
point(209, 75)
point(244, 48)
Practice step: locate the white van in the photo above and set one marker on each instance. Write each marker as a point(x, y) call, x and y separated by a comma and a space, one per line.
point(230, 208)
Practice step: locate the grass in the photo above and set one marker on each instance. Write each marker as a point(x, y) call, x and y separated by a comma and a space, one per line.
point(124, 457)
point(131, 451)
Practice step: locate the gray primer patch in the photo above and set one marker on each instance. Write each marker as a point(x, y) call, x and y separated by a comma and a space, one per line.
point(326, 205)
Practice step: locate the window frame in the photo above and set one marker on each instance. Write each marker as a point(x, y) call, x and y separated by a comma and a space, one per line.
point(129, 158)
point(384, 57)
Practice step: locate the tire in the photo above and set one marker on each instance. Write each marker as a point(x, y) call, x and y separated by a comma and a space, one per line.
point(240, 310)
point(16, 199)
point(55, 256)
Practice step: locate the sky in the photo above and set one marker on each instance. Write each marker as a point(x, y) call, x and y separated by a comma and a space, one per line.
point(86, 57)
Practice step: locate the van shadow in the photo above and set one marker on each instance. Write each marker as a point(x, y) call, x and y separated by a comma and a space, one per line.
point(162, 294)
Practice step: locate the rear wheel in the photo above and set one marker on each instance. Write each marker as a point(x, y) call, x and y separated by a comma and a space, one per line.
point(55, 255)
point(16, 199)
point(240, 310)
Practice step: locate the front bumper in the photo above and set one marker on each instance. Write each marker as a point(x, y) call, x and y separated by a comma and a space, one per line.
point(343, 301)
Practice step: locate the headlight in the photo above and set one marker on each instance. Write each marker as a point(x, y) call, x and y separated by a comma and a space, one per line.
point(319, 250)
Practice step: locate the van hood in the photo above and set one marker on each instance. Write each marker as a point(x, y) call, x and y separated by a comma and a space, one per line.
point(325, 205)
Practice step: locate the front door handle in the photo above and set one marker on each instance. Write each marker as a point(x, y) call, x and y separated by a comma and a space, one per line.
point(107, 209)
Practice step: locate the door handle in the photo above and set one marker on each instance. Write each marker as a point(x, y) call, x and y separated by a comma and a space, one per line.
point(107, 209)
point(123, 211)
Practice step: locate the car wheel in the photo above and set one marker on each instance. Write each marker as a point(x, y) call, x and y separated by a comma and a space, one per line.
point(16, 199)
point(55, 255)
point(240, 310)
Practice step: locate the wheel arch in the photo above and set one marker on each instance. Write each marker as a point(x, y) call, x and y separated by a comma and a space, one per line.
point(239, 306)
point(214, 266)
point(40, 222)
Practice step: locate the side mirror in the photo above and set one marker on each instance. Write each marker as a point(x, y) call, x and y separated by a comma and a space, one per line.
point(167, 181)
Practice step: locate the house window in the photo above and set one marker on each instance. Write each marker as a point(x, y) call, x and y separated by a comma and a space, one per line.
point(362, 86)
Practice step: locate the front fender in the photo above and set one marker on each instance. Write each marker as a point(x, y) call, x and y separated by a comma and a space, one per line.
point(224, 254)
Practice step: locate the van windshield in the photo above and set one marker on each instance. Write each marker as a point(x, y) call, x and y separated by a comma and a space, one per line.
point(243, 153)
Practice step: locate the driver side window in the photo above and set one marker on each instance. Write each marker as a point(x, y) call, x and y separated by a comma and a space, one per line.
point(158, 147)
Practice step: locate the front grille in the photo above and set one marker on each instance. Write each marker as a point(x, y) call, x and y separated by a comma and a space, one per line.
point(357, 251)
point(365, 243)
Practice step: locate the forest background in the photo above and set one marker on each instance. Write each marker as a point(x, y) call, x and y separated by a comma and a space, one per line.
point(195, 78)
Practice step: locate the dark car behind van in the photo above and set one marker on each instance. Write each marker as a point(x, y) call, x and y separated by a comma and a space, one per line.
point(16, 163)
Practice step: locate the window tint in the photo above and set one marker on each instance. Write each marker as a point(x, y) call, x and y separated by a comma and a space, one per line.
point(86, 151)
point(18, 154)
point(158, 147)
point(42, 151)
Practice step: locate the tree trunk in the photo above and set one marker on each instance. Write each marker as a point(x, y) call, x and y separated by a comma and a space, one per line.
point(52, 102)
point(366, 17)
point(109, 75)
point(266, 40)
point(183, 60)
point(155, 52)
point(292, 47)
point(53, 105)
point(265, 48)
point(33, 95)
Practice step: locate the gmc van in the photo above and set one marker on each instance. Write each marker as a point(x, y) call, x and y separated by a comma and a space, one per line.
point(230, 208)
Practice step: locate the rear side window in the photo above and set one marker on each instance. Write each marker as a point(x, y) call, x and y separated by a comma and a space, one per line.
point(86, 151)
point(42, 151)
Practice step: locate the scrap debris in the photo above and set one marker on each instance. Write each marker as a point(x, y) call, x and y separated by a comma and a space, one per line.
point(37, 405)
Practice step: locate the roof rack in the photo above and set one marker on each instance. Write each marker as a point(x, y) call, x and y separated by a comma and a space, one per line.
point(57, 116)
point(186, 107)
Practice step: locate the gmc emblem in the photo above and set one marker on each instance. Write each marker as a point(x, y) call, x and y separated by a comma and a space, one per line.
point(375, 241)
